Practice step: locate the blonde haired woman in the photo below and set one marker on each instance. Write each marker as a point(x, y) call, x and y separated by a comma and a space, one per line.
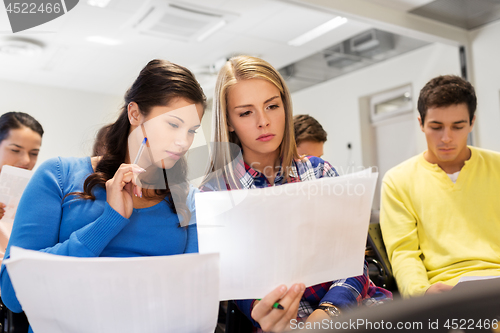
point(253, 112)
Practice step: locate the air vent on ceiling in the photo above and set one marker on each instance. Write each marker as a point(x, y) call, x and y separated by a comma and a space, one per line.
point(180, 21)
point(362, 50)
point(336, 56)
point(371, 43)
point(367, 46)
point(20, 47)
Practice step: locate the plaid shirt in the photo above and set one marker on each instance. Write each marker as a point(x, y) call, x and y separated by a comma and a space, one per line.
point(346, 293)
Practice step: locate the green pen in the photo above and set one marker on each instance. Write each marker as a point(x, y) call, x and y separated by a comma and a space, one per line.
point(275, 305)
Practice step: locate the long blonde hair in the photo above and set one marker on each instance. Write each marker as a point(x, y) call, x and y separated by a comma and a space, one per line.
point(237, 69)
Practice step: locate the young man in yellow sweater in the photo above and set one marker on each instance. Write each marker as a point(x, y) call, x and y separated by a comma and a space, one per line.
point(440, 213)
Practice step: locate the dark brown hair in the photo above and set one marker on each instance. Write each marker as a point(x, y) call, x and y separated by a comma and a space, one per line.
point(99, 148)
point(308, 129)
point(15, 120)
point(444, 91)
point(157, 85)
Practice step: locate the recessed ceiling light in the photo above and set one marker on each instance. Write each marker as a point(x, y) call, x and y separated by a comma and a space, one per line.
point(98, 3)
point(318, 31)
point(103, 40)
point(20, 48)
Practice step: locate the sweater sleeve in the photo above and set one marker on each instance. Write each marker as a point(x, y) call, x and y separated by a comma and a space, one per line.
point(38, 219)
point(354, 291)
point(399, 230)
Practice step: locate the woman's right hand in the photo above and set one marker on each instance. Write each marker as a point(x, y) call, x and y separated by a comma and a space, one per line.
point(121, 187)
point(2, 210)
point(276, 320)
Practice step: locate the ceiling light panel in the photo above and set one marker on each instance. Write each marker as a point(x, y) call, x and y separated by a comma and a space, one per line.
point(318, 31)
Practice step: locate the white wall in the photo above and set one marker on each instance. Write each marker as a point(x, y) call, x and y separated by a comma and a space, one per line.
point(335, 103)
point(69, 118)
point(485, 59)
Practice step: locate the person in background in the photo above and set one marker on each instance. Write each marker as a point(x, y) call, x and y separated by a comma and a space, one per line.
point(20, 142)
point(95, 207)
point(440, 217)
point(309, 135)
point(252, 110)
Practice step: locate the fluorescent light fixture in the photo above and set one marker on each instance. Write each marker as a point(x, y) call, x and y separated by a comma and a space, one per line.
point(98, 3)
point(103, 40)
point(318, 31)
point(210, 31)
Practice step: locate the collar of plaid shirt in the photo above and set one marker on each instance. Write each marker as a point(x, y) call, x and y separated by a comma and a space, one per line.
point(251, 178)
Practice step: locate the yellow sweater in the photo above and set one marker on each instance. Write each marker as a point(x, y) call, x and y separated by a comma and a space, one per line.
point(437, 231)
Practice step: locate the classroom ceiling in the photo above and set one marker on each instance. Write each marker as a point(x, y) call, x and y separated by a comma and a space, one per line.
point(68, 59)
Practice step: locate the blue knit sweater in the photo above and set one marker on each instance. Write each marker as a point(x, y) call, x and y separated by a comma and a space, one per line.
point(86, 228)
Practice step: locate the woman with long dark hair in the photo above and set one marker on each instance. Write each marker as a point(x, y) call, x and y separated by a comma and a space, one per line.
point(132, 201)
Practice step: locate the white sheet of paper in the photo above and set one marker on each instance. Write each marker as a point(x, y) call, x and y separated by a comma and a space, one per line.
point(13, 181)
point(105, 295)
point(467, 282)
point(476, 278)
point(309, 232)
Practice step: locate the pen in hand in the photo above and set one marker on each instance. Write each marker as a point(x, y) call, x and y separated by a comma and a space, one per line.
point(139, 153)
point(275, 305)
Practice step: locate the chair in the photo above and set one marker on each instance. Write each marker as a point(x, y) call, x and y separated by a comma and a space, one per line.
point(236, 321)
point(11, 322)
point(378, 258)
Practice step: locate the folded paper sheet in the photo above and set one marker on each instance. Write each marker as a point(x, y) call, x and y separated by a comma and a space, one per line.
point(467, 281)
point(309, 232)
point(12, 183)
point(146, 294)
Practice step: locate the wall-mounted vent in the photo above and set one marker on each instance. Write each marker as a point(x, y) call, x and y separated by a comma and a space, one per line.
point(391, 103)
point(181, 21)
